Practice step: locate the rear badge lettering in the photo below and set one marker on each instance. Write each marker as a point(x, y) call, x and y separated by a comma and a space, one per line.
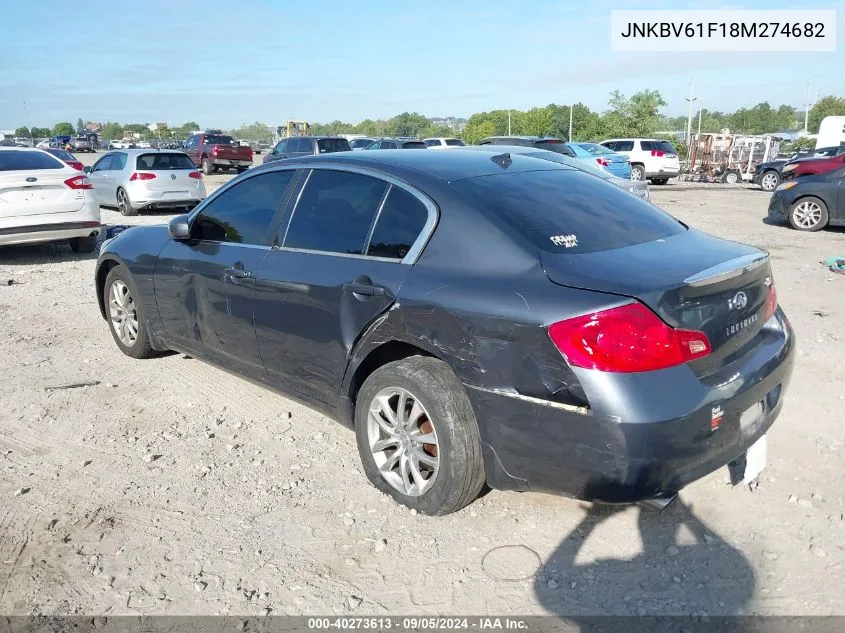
point(716, 415)
point(567, 241)
point(740, 325)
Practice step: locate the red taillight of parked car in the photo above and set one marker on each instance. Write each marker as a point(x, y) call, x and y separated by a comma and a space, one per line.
point(658, 153)
point(141, 175)
point(76, 165)
point(627, 339)
point(602, 162)
point(79, 182)
point(771, 303)
point(214, 151)
point(195, 174)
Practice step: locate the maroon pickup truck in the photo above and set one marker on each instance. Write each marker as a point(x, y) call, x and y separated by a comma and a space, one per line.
point(218, 151)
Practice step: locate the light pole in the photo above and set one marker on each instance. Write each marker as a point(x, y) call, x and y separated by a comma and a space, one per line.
point(690, 100)
point(570, 122)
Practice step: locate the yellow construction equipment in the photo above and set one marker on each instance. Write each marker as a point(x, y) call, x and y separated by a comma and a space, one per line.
point(293, 128)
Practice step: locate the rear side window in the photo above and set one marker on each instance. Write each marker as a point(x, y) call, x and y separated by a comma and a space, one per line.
point(157, 162)
point(624, 146)
point(243, 213)
point(388, 145)
point(327, 145)
point(400, 222)
point(567, 211)
point(13, 160)
point(414, 145)
point(335, 212)
point(454, 142)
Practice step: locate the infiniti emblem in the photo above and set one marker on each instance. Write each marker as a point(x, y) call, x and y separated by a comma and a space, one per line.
point(172, 176)
point(739, 301)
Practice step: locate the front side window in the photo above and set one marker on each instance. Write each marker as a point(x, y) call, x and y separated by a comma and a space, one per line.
point(399, 225)
point(243, 213)
point(118, 162)
point(335, 212)
point(280, 147)
point(388, 145)
point(104, 163)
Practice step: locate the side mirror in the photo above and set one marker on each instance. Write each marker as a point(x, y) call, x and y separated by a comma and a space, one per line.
point(179, 228)
point(86, 169)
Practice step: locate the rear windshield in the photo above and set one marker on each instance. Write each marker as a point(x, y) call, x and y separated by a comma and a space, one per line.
point(454, 142)
point(569, 212)
point(14, 160)
point(219, 139)
point(62, 154)
point(660, 146)
point(328, 145)
point(414, 145)
point(164, 161)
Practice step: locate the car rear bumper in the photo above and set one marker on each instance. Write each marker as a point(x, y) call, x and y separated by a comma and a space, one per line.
point(533, 444)
point(48, 232)
point(663, 172)
point(142, 197)
point(231, 162)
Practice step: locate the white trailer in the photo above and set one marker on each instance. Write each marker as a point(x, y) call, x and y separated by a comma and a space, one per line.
point(831, 132)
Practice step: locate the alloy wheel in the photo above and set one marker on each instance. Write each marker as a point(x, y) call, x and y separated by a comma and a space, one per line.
point(123, 313)
point(637, 174)
point(807, 214)
point(122, 202)
point(403, 441)
point(769, 181)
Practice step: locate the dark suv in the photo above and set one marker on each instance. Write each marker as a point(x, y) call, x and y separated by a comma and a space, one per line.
point(540, 142)
point(294, 146)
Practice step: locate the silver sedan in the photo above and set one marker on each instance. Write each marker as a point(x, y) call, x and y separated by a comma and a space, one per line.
point(134, 180)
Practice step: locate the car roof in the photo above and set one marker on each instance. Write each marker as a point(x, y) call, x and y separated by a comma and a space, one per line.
point(24, 149)
point(316, 137)
point(410, 166)
point(147, 150)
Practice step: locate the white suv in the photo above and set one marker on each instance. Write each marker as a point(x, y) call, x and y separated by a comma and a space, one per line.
point(442, 142)
point(652, 159)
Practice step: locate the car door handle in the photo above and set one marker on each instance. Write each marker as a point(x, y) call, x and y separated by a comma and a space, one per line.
point(236, 273)
point(364, 289)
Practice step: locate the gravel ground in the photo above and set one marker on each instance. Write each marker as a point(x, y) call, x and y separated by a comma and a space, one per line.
point(170, 487)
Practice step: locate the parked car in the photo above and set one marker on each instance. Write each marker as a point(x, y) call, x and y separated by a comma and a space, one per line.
point(812, 165)
point(396, 143)
point(539, 142)
point(652, 159)
point(638, 188)
point(358, 144)
point(811, 202)
point(145, 179)
point(616, 164)
point(306, 145)
point(218, 151)
point(43, 144)
point(66, 157)
point(61, 142)
point(144, 145)
point(43, 199)
point(583, 342)
point(82, 144)
point(443, 142)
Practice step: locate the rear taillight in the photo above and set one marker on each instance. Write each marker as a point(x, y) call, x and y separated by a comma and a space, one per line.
point(79, 182)
point(771, 303)
point(214, 151)
point(627, 339)
point(76, 165)
point(657, 153)
point(602, 162)
point(140, 175)
point(195, 174)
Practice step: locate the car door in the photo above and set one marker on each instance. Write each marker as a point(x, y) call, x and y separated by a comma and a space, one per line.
point(192, 149)
point(100, 176)
point(117, 177)
point(204, 286)
point(343, 253)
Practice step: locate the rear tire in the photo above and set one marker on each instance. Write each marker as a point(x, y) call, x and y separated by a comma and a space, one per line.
point(124, 205)
point(452, 460)
point(120, 296)
point(82, 244)
point(207, 167)
point(732, 177)
point(808, 214)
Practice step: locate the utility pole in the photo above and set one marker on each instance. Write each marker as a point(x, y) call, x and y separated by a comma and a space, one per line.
point(699, 122)
point(509, 122)
point(807, 107)
point(689, 100)
point(26, 122)
point(570, 123)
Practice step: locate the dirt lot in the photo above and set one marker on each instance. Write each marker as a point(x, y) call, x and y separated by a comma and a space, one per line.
point(173, 488)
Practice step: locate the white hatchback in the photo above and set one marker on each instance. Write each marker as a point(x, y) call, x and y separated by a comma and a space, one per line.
point(652, 159)
point(43, 199)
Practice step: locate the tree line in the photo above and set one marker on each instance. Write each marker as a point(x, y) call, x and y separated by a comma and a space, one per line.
point(637, 115)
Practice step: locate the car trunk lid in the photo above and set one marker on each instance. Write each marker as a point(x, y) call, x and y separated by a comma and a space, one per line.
point(693, 281)
point(38, 192)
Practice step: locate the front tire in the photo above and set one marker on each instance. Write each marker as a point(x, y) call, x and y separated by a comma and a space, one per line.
point(124, 205)
point(417, 436)
point(808, 214)
point(770, 181)
point(125, 314)
point(82, 244)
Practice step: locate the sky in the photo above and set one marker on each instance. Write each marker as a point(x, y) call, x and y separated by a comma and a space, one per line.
point(224, 63)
